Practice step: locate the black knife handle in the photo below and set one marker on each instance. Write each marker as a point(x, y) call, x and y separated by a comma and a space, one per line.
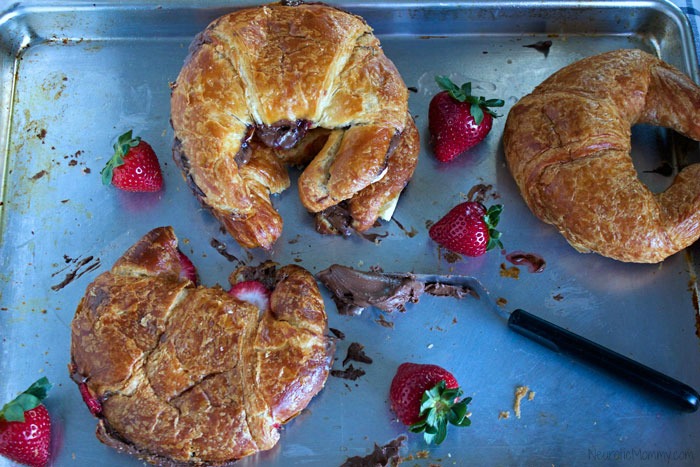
point(560, 340)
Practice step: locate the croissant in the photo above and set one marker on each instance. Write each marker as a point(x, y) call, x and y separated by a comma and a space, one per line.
point(257, 83)
point(189, 374)
point(568, 143)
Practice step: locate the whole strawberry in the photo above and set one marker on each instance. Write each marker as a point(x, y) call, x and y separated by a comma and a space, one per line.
point(457, 120)
point(469, 229)
point(426, 398)
point(133, 166)
point(25, 427)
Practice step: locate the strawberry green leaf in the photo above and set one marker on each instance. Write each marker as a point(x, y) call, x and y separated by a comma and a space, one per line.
point(477, 113)
point(464, 94)
point(14, 410)
point(467, 88)
point(439, 408)
point(494, 103)
point(446, 84)
point(121, 148)
point(491, 218)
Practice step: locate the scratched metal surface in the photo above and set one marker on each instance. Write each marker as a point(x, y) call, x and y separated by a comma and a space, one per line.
point(76, 74)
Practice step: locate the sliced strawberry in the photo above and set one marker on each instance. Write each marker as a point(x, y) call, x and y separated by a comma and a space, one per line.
point(25, 427)
point(426, 397)
point(187, 269)
point(253, 292)
point(134, 165)
point(92, 403)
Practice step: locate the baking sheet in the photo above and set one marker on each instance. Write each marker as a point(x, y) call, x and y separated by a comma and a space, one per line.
point(76, 74)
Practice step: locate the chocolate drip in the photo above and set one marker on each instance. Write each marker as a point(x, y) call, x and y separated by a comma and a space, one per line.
point(245, 152)
point(284, 134)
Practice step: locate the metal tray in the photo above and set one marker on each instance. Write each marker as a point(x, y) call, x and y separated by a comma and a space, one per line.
point(74, 75)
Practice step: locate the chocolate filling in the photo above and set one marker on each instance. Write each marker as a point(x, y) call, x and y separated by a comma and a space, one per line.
point(353, 290)
point(334, 220)
point(245, 152)
point(284, 134)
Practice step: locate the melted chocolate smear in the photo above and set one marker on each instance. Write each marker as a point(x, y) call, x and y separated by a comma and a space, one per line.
point(665, 170)
point(284, 134)
point(39, 174)
point(80, 267)
point(220, 247)
point(243, 155)
point(356, 352)
point(350, 373)
point(534, 263)
point(409, 233)
point(541, 46)
point(334, 220)
point(478, 192)
point(382, 321)
point(380, 456)
point(337, 333)
point(438, 289)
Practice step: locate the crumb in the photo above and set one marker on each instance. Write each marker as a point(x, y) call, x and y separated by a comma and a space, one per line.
point(337, 333)
point(520, 393)
point(502, 302)
point(350, 373)
point(384, 322)
point(530, 395)
point(510, 272)
point(503, 414)
point(356, 352)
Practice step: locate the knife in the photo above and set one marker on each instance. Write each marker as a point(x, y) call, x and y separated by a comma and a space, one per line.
point(381, 290)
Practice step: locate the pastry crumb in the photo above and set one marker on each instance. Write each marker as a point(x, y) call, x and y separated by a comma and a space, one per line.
point(504, 414)
point(520, 393)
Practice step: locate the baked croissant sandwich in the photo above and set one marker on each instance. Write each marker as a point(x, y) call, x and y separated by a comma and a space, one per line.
point(184, 374)
point(568, 144)
point(291, 84)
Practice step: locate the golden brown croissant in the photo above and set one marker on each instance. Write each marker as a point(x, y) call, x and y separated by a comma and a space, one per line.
point(259, 81)
point(190, 374)
point(568, 147)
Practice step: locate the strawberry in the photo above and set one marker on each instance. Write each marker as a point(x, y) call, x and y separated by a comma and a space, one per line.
point(93, 405)
point(426, 398)
point(25, 426)
point(187, 269)
point(469, 229)
point(457, 120)
point(252, 292)
point(133, 166)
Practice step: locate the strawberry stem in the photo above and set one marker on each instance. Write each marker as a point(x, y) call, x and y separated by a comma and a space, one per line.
point(121, 148)
point(439, 408)
point(14, 410)
point(479, 105)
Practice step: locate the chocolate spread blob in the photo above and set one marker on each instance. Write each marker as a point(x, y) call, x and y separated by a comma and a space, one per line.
point(353, 290)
